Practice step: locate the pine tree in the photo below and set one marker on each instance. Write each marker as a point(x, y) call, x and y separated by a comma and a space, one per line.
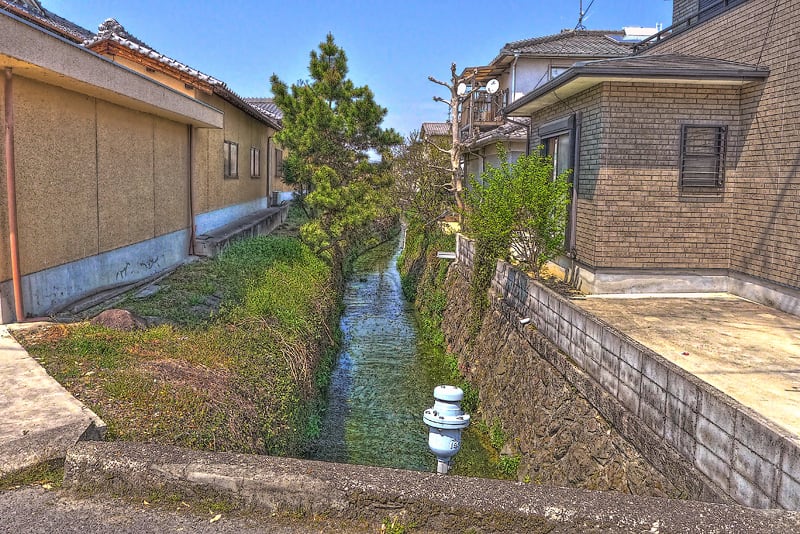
point(330, 128)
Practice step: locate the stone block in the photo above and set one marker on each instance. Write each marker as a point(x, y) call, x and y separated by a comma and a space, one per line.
point(610, 361)
point(790, 463)
point(747, 493)
point(609, 381)
point(653, 418)
point(679, 439)
point(715, 407)
point(757, 437)
point(714, 438)
point(593, 349)
point(594, 329)
point(628, 397)
point(681, 414)
point(630, 354)
point(655, 370)
point(630, 377)
point(712, 466)
point(679, 386)
point(789, 493)
point(653, 395)
point(762, 473)
point(611, 341)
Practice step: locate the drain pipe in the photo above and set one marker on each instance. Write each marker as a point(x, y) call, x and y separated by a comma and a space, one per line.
point(514, 77)
point(11, 191)
point(192, 226)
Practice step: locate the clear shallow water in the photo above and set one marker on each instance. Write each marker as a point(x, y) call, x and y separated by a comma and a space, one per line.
point(383, 379)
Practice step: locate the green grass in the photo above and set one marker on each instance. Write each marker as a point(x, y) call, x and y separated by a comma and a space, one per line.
point(49, 474)
point(241, 375)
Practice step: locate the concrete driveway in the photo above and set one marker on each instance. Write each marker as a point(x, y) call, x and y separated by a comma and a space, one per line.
point(749, 351)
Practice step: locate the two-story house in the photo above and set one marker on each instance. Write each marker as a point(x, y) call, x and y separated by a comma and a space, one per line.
point(685, 155)
point(519, 68)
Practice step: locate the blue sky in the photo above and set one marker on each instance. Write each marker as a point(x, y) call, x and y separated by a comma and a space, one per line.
point(391, 46)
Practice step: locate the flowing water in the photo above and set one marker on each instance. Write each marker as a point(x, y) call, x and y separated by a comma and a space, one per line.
point(384, 377)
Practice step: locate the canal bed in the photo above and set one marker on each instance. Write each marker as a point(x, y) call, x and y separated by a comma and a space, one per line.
point(384, 378)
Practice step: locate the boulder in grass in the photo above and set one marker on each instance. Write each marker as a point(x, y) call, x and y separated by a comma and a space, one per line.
point(120, 320)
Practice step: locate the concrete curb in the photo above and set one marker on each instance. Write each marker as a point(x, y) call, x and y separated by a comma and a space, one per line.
point(39, 419)
point(432, 502)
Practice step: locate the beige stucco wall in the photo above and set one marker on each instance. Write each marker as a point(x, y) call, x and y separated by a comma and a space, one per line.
point(55, 175)
point(214, 191)
point(91, 176)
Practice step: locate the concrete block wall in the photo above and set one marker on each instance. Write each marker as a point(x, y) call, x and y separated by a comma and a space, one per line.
point(742, 454)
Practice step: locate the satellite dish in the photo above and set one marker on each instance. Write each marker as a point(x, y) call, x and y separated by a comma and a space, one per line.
point(492, 86)
point(461, 90)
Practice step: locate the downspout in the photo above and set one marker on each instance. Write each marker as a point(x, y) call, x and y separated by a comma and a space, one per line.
point(269, 174)
point(576, 163)
point(11, 191)
point(514, 77)
point(192, 226)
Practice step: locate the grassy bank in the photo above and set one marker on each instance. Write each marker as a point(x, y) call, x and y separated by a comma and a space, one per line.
point(237, 350)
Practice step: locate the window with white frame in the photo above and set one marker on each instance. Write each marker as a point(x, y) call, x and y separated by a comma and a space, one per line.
point(255, 162)
point(230, 159)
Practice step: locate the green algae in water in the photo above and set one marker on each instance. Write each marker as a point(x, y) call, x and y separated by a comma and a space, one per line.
point(384, 378)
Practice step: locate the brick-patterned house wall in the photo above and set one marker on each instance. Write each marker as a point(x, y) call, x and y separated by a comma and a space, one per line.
point(589, 103)
point(764, 187)
point(631, 212)
point(644, 219)
point(682, 9)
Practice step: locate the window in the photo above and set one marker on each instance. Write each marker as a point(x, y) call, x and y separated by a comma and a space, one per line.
point(559, 140)
point(557, 71)
point(255, 162)
point(278, 163)
point(703, 156)
point(230, 159)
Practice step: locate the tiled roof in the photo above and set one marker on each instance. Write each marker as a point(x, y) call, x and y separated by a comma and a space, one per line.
point(267, 106)
point(436, 129)
point(113, 31)
point(33, 11)
point(572, 43)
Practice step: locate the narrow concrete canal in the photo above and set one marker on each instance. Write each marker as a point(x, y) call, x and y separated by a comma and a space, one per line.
point(384, 377)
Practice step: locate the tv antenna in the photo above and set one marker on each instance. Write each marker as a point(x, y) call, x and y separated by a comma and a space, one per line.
point(582, 15)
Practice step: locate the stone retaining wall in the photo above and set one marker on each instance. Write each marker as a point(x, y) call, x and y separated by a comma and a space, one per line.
point(669, 415)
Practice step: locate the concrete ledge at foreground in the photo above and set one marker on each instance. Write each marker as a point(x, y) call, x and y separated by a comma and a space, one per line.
point(432, 502)
point(39, 419)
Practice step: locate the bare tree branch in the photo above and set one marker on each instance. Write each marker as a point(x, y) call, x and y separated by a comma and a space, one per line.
point(437, 147)
point(434, 80)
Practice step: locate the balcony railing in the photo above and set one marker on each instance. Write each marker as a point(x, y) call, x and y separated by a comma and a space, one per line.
point(481, 111)
point(709, 8)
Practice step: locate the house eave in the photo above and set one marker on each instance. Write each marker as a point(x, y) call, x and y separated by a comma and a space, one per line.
point(578, 79)
point(38, 54)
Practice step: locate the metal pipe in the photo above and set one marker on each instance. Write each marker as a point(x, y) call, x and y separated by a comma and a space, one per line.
point(11, 191)
point(514, 77)
point(192, 227)
point(268, 174)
